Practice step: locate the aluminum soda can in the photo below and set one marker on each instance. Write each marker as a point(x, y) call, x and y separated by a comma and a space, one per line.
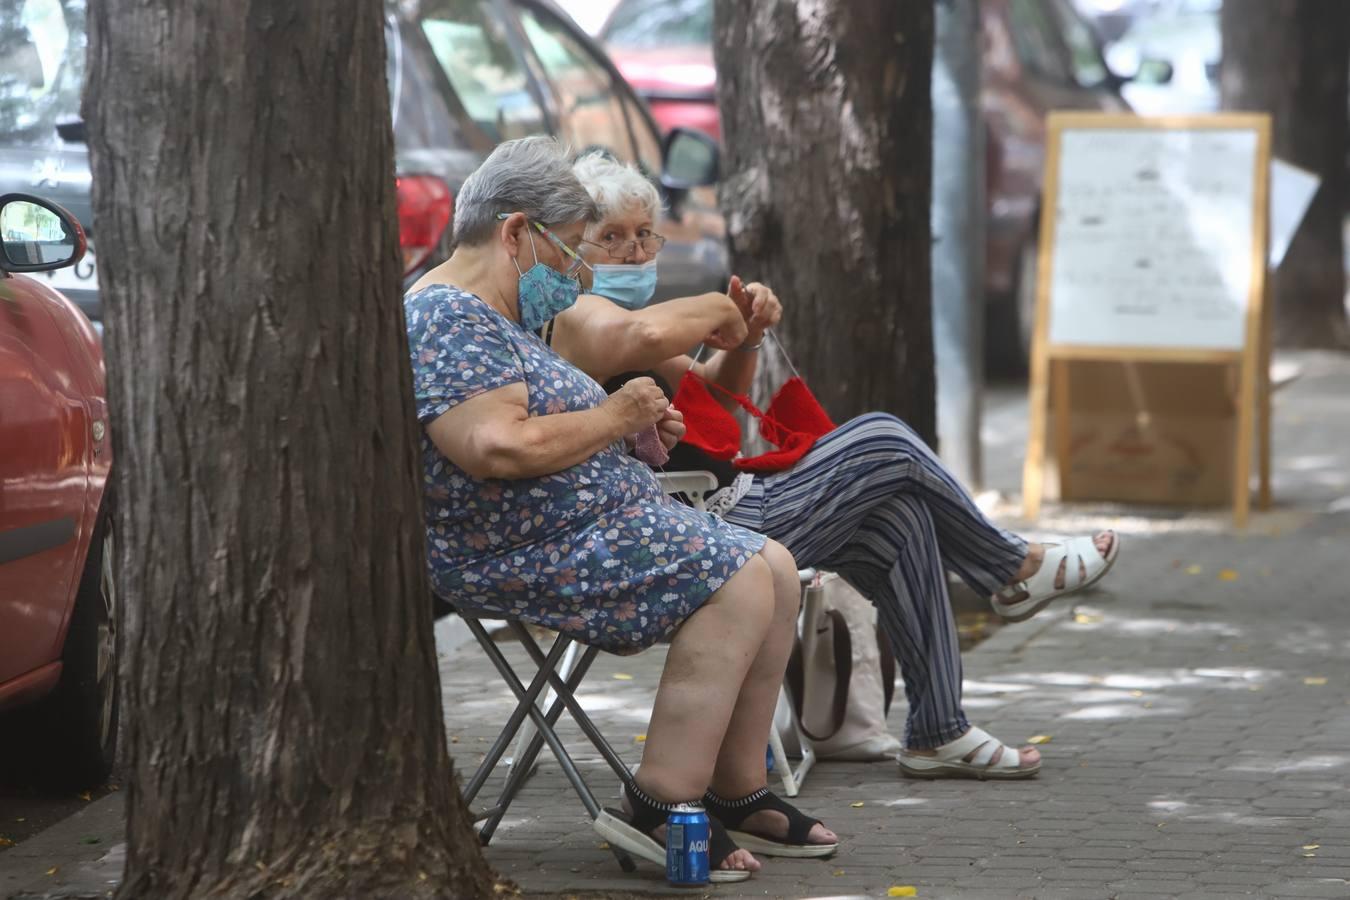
point(687, 834)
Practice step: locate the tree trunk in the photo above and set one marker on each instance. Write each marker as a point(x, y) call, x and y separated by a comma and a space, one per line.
point(827, 122)
point(285, 732)
point(1291, 58)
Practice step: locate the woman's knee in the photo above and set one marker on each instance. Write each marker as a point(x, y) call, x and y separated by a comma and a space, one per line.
point(749, 594)
point(893, 428)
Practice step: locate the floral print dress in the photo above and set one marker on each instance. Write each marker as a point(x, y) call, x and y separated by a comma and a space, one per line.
point(596, 550)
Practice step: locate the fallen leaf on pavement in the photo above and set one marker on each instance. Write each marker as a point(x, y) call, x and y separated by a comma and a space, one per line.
point(1315, 681)
point(619, 676)
point(1311, 846)
point(838, 872)
point(52, 870)
point(641, 739)
point(604, 845)
point(1194, 570)
point(1039, 739)
point(6, 842)
point(1228, 575)
point(1309, 855)
point(1085, 618)
point(1136, 693)
point(902, 890)
point(89, 840)
point(86, 796)
point(856, 805)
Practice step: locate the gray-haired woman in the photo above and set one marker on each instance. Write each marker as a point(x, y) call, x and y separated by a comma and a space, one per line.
point(534, 509)
point(869, 501)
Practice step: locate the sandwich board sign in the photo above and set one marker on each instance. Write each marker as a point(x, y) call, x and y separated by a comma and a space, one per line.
point(1150, 356)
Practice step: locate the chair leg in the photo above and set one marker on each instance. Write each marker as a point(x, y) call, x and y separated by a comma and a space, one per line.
point(781, 763)
point(578, 714)
point(527, 732)
point(518, 714)
point(526, 700)
point(524, 765)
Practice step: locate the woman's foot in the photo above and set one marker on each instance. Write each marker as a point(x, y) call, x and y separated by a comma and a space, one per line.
point(764, 822)
point(1052, 570)
point(1103, 541)
point(975, 754)
point(738, 860)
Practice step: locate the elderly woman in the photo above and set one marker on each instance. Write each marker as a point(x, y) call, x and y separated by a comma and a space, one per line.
point(869, 501)
point(535, 510)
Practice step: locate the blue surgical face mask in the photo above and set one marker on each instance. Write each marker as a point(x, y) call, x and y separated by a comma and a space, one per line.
point(630, 286)
point(544, 292)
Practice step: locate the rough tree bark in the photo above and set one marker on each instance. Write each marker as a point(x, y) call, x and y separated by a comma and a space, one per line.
point(285, 732)
point(826, 180)
point(1290, 58)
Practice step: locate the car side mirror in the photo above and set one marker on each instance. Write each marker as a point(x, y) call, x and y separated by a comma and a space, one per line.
point(37, 236)
point(689, 159)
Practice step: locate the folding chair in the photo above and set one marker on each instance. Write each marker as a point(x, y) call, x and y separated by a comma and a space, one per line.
point(561, 671)
point(544, 721)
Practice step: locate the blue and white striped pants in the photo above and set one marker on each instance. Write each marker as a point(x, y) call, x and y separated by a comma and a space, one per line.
point(871, 502)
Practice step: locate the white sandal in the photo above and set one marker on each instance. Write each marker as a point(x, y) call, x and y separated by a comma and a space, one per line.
point(1084, 567)
point(950, 760)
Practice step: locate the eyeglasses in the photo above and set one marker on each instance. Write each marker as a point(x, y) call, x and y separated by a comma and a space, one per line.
point(577, 262)
point(651, 245)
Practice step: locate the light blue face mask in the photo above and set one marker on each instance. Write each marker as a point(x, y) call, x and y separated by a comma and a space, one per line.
point(630, 286)
point(544, 292)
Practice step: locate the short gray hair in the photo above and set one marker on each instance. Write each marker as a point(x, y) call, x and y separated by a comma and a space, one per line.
point(615, 187)
point(528, 175)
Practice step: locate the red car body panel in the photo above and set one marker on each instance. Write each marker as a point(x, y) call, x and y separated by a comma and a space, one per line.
point(55, 455)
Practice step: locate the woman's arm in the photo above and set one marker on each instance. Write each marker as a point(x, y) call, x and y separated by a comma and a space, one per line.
point(493, 435)
point(604, 339)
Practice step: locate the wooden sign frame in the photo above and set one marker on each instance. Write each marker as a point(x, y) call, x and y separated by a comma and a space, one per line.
point(1051, 362)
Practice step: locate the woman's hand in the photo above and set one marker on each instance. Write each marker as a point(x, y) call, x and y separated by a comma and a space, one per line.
point(671, 428)
point(731, 333)
point(759, 306)
point(636, 405)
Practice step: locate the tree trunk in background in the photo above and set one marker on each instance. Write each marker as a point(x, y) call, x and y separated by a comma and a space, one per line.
point(285, 733)
point(1290, 58)
point(826, 181)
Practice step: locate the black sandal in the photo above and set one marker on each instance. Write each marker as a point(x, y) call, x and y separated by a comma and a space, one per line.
point(634, 833)
point(732, 813)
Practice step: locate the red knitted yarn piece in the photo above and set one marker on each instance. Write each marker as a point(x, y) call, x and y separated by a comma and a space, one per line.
point(793, 423)
point(708, 426)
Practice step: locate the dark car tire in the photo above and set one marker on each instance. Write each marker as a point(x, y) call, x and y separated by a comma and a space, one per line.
point(77, 724)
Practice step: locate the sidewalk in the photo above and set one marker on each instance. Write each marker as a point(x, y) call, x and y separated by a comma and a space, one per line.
point(1197, 713)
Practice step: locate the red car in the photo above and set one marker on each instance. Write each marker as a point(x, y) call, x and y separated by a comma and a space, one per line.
point(58, 699)
point(1039, 55)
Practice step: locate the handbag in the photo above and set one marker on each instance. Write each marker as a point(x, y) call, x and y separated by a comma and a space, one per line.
point(841, 677)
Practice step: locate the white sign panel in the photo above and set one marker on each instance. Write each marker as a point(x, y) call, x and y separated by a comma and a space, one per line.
point(1153, 238)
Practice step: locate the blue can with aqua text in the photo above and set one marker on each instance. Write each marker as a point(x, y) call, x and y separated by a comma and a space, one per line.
point(687, 834)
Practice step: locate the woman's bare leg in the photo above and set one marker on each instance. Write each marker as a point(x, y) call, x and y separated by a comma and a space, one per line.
point(740, 761)
point(705, 667)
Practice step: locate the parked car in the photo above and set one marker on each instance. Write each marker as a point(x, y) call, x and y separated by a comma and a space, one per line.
point(1039, 55)
point(463, 75)
point(58, 599)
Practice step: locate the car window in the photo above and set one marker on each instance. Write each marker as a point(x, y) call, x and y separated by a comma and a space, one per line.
point(590, 114)
point(1035, 36)
point(646, 24)
point(41, 68)
point(471, 45)
point(648, 146)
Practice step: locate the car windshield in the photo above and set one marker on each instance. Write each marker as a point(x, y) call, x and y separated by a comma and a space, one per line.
point(41, 68)
point(648, 24)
